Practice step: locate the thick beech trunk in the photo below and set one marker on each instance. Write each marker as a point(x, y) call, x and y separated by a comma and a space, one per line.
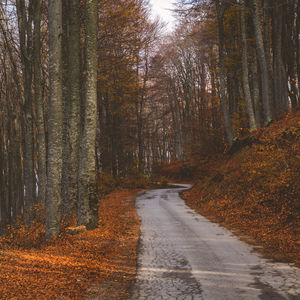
point(74, 88)
point(71, 109)
point(280, 78)
point(54, 170)
point(88, 201)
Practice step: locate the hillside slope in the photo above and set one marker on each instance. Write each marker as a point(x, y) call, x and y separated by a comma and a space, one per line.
point(255, 189)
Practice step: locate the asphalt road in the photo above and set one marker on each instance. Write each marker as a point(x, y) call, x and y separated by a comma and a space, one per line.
point(182, 255)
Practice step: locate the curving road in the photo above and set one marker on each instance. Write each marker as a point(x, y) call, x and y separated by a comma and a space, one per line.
point(182, 255)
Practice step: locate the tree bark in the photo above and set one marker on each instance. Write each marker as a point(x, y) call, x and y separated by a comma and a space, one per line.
point(53, 201)
point(74, 87)
point(255, 87)
point(88, 200)
point(291, 40)
point(268, 116)
point(267, 8)
point(297, 41)
point(42, 175)
point(280, 80)
point(25, 35)
point(228, 128)
point(71, 109)
point(251, 116)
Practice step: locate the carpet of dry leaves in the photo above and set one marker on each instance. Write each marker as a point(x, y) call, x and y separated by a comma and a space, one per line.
point(98, 264)
point(256, 191)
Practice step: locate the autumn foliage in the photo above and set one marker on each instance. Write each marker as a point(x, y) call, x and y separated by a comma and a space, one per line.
point(97, 262)
point(176, 170)
point(256, 188)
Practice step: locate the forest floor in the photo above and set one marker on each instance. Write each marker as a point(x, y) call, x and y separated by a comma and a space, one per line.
point(254, 190)
point(97, 264)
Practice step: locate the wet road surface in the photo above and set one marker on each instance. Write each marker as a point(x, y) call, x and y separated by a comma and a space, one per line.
point(184, 256)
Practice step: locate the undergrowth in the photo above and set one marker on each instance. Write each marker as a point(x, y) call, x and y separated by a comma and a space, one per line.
point(24, 236)
point(29, 230)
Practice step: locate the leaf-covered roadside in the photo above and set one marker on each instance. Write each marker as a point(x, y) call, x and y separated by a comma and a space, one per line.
point(85, 265)
point(256, 189)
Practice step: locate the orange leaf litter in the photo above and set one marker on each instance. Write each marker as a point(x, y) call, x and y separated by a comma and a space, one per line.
point(76, 267)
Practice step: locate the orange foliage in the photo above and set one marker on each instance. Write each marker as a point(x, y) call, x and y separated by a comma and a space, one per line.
point(22, 236)
point(69, 266)
point(257, 189)
point(177, 170)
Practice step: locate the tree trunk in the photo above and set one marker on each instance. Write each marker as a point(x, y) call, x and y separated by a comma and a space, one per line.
point(267, 5)
point(268, 116)
point(280, 80)
point(25, 32)
point(228, 128)
point(176, 128)
point(255, 87)
point(53, 201)
point(74, 87)
point(291, 49)
point(71, 110)
point(251, 117)
point(88, 200)
point(66, 148)
point(42, 175)
point(297, 41)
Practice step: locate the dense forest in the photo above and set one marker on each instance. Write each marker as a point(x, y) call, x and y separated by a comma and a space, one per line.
point(97, 90)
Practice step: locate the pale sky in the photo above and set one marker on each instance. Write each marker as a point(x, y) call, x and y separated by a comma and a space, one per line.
point(162, 8)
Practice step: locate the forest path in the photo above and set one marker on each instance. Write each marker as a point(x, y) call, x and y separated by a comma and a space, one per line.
point(182, 255)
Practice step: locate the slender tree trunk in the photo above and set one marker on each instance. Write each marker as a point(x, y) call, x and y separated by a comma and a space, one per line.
point(2, 185)
point(42, 176)
point(26, 47)
point(228, 128)
point(54, 170)
point(297, 41)
point(251, 116)
point(255, 87)
point(139, 104)
point(291, 49)
point(88, 200)
point(10, 53)
point(267, 6)
point(3, 177)
point(176, 128)
point(268, 116)
point(179, 135)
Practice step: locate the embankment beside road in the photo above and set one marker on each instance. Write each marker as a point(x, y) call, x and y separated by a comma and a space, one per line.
point(255, 189)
